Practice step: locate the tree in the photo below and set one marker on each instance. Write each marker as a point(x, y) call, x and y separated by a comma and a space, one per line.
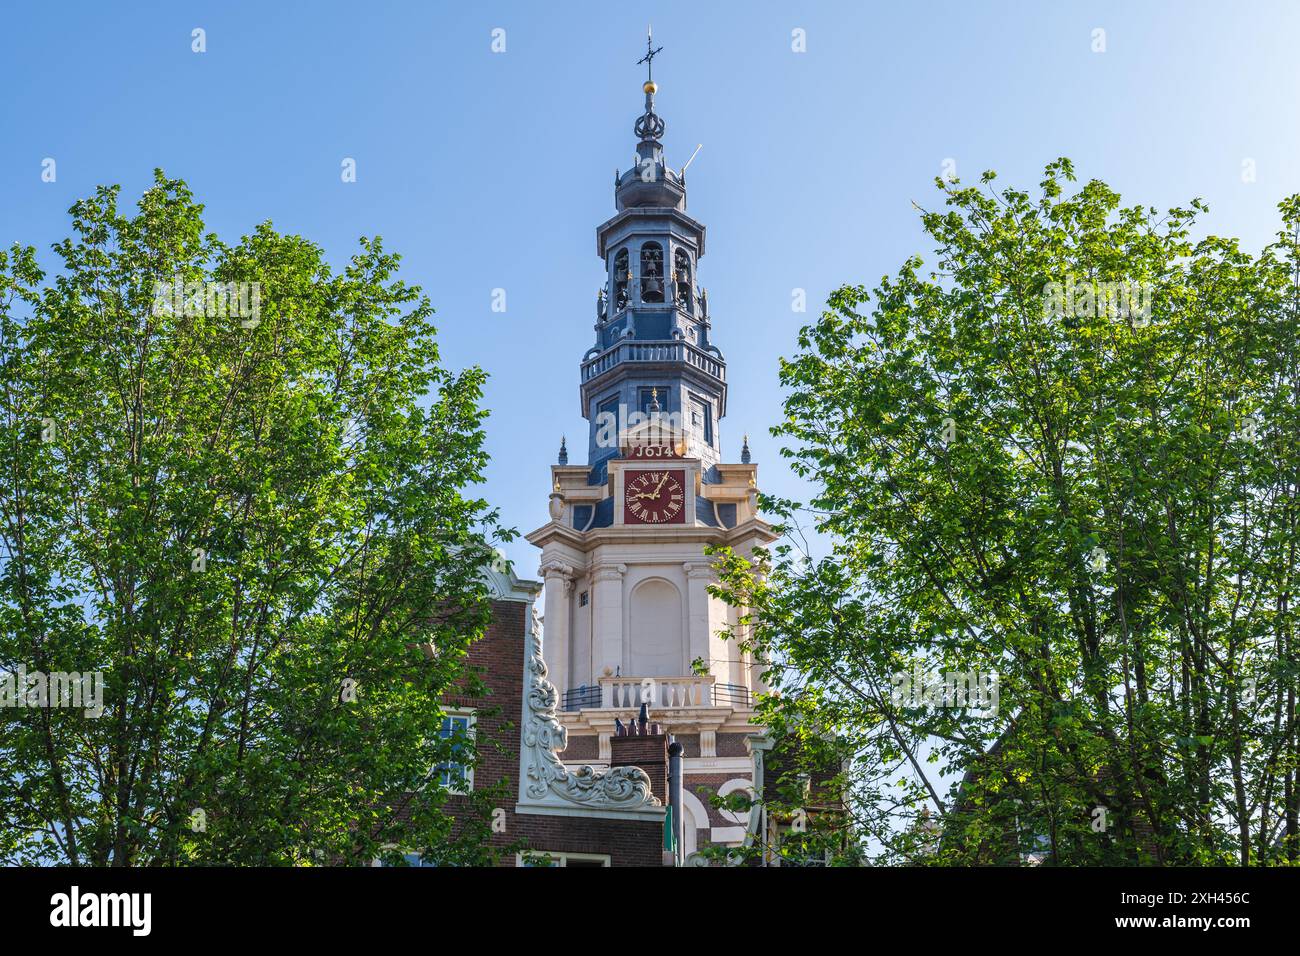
point(1065, 458)
point(232, 482)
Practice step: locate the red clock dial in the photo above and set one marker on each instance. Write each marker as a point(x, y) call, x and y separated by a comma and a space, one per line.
point(654, 496)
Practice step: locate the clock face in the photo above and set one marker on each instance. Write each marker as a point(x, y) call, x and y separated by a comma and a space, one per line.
point(654, 496)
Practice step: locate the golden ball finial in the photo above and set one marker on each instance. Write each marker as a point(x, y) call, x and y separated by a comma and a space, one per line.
point(650, 86)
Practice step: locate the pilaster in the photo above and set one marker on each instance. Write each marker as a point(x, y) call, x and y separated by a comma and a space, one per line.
point(559, 586)
point(609, 618)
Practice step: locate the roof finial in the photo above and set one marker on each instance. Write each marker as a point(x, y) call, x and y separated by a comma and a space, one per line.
point(648, 59)
point(564, 452)
point(744, 451)
point(654, 400)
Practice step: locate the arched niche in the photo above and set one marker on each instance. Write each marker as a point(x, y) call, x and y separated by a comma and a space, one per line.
point(657, 637)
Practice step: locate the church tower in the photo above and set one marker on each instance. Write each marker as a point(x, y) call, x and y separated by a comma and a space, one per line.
point(628, 618)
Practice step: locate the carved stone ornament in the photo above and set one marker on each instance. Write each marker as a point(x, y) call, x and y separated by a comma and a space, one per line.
point(619, 788)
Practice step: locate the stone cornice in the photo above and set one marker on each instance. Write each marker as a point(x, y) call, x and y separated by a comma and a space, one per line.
point(677, 720)
point(649, 214)
point(639, 534)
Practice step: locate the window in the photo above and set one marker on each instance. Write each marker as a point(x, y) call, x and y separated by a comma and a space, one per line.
point(457, 775)
point(682, 278)
point(546, 858)
point(648, 396)
point(608, 407)
point(652, 272)
point(702, 419)
point(411, 859)
point(407, 859)
point(582, 599)
point(621, 277)
point(608, 422)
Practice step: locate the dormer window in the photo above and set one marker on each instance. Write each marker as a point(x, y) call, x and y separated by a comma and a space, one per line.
point(621, 277)
point(652, 272)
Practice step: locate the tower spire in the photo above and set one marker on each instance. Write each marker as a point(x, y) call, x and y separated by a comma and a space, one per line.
point(653, 350)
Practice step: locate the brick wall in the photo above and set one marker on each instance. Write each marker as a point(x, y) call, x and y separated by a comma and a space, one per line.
point(650, 753)
point(581, 747)
point(500, 656)
point(733, 745)
point(690, 743)
point(585, 746)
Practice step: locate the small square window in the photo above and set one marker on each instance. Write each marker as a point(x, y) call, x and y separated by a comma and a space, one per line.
point(582, 599)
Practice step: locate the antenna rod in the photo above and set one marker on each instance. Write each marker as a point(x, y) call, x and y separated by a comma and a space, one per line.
point(691, 160)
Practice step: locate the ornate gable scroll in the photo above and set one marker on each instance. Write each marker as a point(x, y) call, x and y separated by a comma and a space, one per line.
point(619, 788)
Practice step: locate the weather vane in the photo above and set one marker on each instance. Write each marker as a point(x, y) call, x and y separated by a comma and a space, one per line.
point(650, 53)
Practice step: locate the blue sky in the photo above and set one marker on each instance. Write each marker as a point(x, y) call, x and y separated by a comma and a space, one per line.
point(491, 170)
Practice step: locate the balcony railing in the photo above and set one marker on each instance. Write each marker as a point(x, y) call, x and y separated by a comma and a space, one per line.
point(661, 693)
point(579, 698)
point(734, 695)
point(633, 351)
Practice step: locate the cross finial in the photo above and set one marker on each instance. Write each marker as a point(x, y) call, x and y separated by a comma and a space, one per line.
point(649, 127)
point(650, 53)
